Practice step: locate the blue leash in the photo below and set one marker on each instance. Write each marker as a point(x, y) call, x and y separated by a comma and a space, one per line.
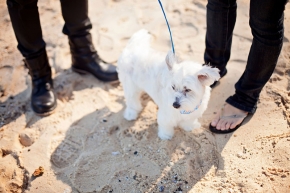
point(168, 27)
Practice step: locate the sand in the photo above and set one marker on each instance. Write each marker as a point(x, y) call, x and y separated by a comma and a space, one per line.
point(86, 145)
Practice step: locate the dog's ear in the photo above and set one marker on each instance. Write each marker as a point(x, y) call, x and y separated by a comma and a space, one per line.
point(171, 59)
point(207, 75)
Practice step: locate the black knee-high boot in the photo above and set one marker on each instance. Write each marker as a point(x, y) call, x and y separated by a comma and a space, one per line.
point(43, 100)
point(84, 56)
point(86, 60)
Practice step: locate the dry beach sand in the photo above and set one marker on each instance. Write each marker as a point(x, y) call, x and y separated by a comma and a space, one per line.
point(86, 146)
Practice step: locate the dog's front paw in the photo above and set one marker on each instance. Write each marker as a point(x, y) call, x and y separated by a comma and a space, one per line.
point(130, 114)
point(188, 128)
point(164, 135)
point(196, 125)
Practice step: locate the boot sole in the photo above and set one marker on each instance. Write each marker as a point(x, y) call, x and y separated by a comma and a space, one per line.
point(83, 72)
point(45, 114)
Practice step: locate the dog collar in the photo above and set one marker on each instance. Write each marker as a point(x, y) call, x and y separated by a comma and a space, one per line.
point(188, 112)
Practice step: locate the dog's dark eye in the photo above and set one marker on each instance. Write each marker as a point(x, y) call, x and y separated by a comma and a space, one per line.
point(173, 87)
point(187, 90)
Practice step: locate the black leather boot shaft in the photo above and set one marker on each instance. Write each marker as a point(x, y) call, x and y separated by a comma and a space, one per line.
point(43, 100)
point(86, 60)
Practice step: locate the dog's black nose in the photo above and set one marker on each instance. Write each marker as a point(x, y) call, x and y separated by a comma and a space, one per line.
point(176, 105)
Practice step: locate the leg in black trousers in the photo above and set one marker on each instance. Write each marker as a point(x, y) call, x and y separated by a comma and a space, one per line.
point(26, 24)
point(266, 21)
point(84, 56)
point(221, 19)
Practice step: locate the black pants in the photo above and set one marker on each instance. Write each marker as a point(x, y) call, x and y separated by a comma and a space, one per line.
point(26, 24)
point(266, 22)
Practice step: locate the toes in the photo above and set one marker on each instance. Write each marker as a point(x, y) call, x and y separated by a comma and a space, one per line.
point(228, 125)
point(220, 124)
point(215, 121)
point(227, 121)
point(234, 124)
point(225, 125)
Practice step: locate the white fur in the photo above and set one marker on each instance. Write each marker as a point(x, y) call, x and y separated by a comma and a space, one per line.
point(141, 69)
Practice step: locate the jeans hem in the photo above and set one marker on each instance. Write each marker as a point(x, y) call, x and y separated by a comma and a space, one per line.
point(240, 106)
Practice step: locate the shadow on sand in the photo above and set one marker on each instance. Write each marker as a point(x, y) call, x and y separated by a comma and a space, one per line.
point(102, 152)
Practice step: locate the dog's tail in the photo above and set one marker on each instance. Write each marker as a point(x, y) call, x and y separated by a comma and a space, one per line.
point(136, 50)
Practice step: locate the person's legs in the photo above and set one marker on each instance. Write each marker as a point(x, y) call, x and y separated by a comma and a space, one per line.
point(75, 15)
point(84, 56)
point(266, 21)
point(26, 24)
point(221, 19)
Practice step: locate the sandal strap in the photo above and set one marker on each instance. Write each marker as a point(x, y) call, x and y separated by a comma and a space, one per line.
point(231, 116)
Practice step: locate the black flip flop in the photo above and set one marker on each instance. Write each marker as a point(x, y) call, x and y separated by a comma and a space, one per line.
point(214, 130)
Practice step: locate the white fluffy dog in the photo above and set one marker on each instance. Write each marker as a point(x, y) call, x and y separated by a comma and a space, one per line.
point(180, 89)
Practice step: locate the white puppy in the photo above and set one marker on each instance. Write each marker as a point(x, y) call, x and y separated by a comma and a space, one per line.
point(180, 89)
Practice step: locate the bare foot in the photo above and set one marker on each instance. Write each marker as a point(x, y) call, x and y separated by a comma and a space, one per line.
point(228, 118)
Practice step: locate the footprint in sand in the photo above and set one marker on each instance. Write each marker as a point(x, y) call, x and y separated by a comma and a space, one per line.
point(94, 171)
point(69, 150)
point(65, 84)
point(106, 43)
point(13, 176)
point(5, 78)
point(275, 78)
point(92, 163)
point(137, 134)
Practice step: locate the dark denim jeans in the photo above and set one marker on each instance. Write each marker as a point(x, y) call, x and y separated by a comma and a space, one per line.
point(26, 24)
point(266, 22)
